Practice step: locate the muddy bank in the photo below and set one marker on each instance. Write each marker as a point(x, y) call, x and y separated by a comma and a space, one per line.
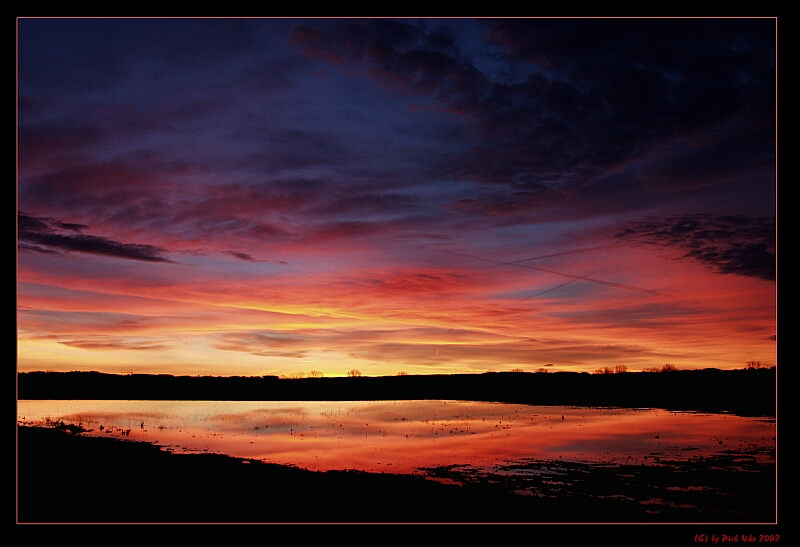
point(67, 477)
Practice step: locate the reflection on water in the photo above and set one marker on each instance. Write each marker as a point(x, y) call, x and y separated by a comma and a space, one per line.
point(406, 436)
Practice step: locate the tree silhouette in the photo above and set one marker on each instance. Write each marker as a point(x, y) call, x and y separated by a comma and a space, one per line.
point(353, 373)
point(618, 369)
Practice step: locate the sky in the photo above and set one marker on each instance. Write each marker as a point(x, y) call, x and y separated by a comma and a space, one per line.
point(282, 196)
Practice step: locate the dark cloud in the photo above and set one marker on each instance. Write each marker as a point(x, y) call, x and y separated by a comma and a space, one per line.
point(554, 106)
point(26, 223)
point(47, 234)
point(397, 55)
point(739, 148)
point(35, 248)
point(650, 77)
point(249, 258)
point(554, 119)
point(728, 244)
point(242, 256)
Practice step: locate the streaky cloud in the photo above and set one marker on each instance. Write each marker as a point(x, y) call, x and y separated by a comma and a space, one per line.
point(728, 244)
point(241, 256)
point(112, 344)
point(46, 234)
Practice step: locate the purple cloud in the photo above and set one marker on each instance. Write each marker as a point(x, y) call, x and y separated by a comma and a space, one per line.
point(49, 235)
point(554, 107)
point(728, 244)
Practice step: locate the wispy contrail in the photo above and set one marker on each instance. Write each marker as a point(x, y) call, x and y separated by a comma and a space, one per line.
point(562, 253)
point(622, 286)
point(564, 284)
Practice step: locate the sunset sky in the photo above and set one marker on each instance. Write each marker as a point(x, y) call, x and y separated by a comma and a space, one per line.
point(276, 196)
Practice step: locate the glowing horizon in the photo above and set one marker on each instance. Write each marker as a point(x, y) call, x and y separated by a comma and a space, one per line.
point(275, 197)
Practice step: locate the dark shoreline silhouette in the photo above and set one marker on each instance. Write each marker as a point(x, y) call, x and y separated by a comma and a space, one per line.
point(747, 392)
point(65, 477)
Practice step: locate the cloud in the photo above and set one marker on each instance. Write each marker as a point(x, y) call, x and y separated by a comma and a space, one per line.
point(264, 343)
point(48, 234)
point(105, 343)
point(245, 257)
point(242, 256)
point(28, 223)
point(36, 249)
point(728, 244)
point(69, 322)
point(396, 55)
point(530, 352)
point(555, 106)
point(86, 187)
point(353, 341)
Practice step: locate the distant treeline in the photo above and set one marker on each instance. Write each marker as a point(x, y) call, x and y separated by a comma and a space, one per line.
point(747, 392)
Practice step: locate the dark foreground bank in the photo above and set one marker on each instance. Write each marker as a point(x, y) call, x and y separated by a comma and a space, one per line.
point(68, 477)
point(746, 392)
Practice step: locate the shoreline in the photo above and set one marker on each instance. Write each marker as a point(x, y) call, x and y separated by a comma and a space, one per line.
point(66, 477)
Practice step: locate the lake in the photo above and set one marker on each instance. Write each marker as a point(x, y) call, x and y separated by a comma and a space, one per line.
point(461, 437)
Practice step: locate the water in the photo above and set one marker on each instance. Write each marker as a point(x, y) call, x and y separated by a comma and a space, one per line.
point(413, 436)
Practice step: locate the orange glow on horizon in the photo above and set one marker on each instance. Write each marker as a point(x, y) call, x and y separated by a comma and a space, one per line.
point(420, 321)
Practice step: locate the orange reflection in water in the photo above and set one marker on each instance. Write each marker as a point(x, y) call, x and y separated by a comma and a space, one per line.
point(403, 436)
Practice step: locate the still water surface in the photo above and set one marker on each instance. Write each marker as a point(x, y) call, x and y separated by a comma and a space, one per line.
point(406, 436)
